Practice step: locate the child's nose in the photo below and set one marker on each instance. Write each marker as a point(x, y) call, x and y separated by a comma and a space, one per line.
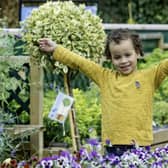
point(123, 59)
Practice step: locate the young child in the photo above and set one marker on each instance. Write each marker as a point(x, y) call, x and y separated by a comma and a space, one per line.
point(126, 93)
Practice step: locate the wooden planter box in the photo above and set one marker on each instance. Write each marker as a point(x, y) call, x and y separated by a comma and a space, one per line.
point(160, 137)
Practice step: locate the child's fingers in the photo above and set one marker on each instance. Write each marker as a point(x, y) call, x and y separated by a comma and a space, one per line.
point(43, 41)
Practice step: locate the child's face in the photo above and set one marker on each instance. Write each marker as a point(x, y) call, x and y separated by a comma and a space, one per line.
point(124, 56)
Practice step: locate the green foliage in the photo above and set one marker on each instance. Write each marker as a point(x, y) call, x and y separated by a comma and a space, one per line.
point(87, 107)
point(7, 42)
point(161, 113)
point(10, 144)
point(5, 118)
point(10, 84)
point(54, 130)
point(8, 47)
point(155, 57)
point(6, 145)
point(11, 44)
point(88, 111)
point(114, 11)
point(67, 24)
point(6, 142)
point(156, 14)
point(7, 83)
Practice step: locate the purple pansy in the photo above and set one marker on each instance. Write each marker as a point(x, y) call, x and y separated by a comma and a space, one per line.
point(139, 157)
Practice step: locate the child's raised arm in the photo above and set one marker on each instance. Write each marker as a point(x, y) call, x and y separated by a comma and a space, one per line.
point(72, 60)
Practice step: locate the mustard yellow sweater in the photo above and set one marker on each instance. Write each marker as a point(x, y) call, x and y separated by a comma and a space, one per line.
point(126, 101)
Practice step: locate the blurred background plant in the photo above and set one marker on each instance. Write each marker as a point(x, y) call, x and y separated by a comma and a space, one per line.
point(114, 11)
point(111, 11)
point(88, 113)
point(7, 44)
point(6, 141)
point(6, 41)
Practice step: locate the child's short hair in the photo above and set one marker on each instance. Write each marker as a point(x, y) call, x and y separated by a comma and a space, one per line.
point(123, 34)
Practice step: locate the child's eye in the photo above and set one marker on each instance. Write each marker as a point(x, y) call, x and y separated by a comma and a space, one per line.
point(116, 57)
point(127, 54)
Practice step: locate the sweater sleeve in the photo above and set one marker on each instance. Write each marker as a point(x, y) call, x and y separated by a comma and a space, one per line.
point(161, 72)
point(75, 61)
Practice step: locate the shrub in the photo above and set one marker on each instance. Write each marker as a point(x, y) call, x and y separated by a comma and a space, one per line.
point(67, 24)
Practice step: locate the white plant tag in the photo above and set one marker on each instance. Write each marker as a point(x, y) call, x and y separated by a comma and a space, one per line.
point(61, 107)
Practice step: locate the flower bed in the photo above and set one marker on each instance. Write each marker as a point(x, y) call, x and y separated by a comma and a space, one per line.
point(91, 156)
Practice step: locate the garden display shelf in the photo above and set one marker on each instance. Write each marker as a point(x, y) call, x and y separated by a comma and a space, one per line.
point(16, 130)
point(160, 137)
point(22, 133)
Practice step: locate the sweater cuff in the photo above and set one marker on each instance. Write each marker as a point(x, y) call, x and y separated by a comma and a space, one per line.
point(57, 52)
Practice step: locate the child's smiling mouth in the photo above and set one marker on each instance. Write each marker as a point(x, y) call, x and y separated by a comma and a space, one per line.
point(125, 67)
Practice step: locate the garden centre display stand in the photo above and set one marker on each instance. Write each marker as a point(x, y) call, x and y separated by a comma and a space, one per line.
point(36, 104)
point(24, 130)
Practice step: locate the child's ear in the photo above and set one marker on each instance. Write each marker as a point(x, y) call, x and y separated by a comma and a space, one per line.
point(138, 55)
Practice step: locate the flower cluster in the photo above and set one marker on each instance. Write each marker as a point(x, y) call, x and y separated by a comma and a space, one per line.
point(91, 156)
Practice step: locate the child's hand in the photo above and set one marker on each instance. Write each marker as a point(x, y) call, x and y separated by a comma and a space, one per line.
point(47, 45)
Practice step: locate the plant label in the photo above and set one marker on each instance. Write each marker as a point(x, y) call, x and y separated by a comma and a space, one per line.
point(61, 107)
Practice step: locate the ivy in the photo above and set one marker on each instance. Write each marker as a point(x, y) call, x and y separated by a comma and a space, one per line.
point(7, 83)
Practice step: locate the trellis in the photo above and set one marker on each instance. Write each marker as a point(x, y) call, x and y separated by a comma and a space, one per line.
point(14, 95)
point(36, 102)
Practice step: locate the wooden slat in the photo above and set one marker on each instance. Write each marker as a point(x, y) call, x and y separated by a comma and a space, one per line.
point(110, 26)
point(150, 36)
point(160, 137)
point(12, 31)
point(17, 130)
point(15, 59)
point(36, 105)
